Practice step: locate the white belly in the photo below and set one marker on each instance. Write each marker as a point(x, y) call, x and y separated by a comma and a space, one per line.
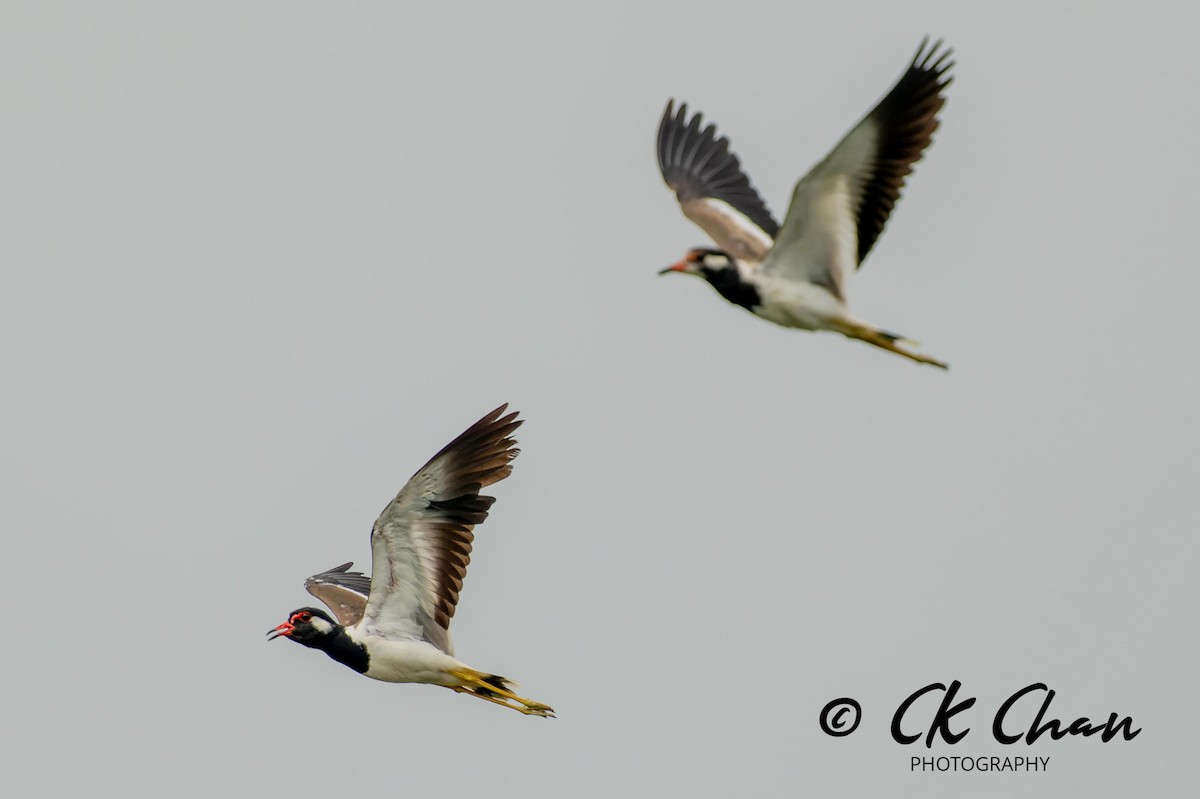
point(409, 661)
point(792, 303)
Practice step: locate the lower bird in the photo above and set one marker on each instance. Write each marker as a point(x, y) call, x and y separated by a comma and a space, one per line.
point(395, 625)
point(796, 275)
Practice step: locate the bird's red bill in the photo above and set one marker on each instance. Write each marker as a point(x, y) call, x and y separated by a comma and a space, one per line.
point(287, 628)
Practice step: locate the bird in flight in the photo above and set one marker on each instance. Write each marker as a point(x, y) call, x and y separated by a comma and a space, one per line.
point(395, 625)
point(795, 275)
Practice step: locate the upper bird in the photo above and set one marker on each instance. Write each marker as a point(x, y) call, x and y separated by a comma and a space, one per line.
point(795, 275)
point(394, 626)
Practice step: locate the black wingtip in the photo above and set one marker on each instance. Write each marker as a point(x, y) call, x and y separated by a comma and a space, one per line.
point(696, 162)
point(929, 59)
point(908, 116)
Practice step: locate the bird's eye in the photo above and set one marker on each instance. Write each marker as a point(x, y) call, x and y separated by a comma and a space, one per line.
point(302, 618)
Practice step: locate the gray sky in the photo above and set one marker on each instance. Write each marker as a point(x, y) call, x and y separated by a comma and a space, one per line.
point(262, 260)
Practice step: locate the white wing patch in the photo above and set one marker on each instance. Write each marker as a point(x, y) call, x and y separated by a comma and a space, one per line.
point(732, 230)
point(421, 542)
point(404, 543)
point(818, 242)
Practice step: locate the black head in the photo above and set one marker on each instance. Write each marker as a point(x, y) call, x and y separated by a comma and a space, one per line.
point(308, 626)
point(703, 262)
point(721, 271)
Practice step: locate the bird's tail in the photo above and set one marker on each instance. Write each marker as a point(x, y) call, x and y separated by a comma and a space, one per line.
point(852, 328)
point(498, 690)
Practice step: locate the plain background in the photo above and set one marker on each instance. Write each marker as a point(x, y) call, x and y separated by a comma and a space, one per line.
point(261, 260)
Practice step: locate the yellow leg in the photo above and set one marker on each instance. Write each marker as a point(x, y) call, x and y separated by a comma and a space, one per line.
point(476, 685)
point(878, 339)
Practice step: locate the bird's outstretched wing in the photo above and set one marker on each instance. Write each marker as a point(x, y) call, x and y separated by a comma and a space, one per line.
point(711, 187)
point(421, 543)
point(840, 207)
point(343, 591)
